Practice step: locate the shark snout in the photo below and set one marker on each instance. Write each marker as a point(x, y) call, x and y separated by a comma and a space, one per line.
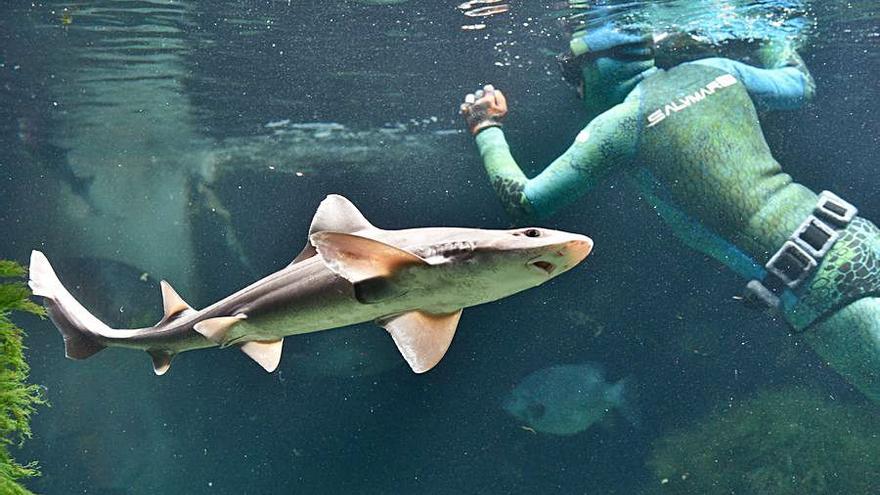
point(563, 256)
point(576, 250)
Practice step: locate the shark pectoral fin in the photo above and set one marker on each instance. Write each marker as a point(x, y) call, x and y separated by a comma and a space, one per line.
point(356, 258)
point(334, 214)
point(267, 353)
point(421, 337)
point(172, 303)
point(217, 329)
point(161, 361)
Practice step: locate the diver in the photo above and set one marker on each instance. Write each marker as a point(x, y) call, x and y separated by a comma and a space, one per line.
point(690, 139)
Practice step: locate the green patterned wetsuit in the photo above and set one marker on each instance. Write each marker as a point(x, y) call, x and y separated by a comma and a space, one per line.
point(692, 139)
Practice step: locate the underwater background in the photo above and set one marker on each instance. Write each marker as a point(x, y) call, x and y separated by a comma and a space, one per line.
point(192, 141)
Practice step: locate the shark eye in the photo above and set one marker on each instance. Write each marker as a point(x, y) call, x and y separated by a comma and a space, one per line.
point(532, 233)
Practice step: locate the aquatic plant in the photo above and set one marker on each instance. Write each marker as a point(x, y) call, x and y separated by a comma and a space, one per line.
point(779, 442)
point(18, 399)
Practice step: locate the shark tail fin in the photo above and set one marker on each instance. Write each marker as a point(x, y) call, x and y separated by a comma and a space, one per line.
point(75, 323)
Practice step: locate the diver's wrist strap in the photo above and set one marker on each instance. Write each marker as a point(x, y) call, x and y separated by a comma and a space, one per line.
point(799, 257)
point(486, 124)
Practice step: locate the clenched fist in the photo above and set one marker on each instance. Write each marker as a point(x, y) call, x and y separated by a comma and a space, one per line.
point(486, 107)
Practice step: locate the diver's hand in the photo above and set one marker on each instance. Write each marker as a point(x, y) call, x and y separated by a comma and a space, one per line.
point(485, 108)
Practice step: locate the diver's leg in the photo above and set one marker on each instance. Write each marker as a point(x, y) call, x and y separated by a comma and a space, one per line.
point(850, 341)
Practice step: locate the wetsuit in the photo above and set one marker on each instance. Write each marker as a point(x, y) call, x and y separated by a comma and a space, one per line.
point(691, 139)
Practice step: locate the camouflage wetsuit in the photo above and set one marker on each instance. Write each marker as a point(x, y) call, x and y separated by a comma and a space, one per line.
point(691, 138)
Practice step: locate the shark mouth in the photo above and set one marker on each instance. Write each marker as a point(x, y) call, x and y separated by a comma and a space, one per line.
point(544, 266)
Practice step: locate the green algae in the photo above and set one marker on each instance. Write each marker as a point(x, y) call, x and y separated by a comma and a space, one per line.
point(779, 442)
point(18, 398)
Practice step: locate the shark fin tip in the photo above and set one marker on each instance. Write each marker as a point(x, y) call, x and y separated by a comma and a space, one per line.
point(172, 304)
point(421, 337)
point(161, 361)
point(43, 281)
point(267, 353)
point(334, 214)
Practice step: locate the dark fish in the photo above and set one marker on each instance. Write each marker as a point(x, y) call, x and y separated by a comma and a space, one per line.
point(567, 399)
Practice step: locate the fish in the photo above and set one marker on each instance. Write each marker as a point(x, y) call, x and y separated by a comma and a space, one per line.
point(412, 282)
point(567, 399)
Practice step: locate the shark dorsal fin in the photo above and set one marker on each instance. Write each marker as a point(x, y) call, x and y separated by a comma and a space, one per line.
point(421, 337)
point(161, 361)
point(356, 258)
point(267, 353)
point(338, 214)
point(335, 214)
point(172, 303)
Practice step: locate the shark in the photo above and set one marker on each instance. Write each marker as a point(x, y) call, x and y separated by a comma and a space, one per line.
point(412, 282)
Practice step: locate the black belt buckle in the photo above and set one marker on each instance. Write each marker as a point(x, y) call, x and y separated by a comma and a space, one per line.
point(801, 254)
point(834, 209)
point(792, 264)
point(815, 237)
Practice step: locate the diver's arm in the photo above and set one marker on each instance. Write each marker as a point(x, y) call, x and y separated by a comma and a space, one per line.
point(785, 83)
point(484, 110)
point(782, 54)
point(609, 140)
point(506, 177)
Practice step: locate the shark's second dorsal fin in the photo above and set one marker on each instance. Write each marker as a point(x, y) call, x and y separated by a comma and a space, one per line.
point(422, 337)
point(335, 214)
point(172, 303)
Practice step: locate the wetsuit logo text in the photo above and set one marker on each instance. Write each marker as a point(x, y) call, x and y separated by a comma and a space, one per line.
point(719, 82)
